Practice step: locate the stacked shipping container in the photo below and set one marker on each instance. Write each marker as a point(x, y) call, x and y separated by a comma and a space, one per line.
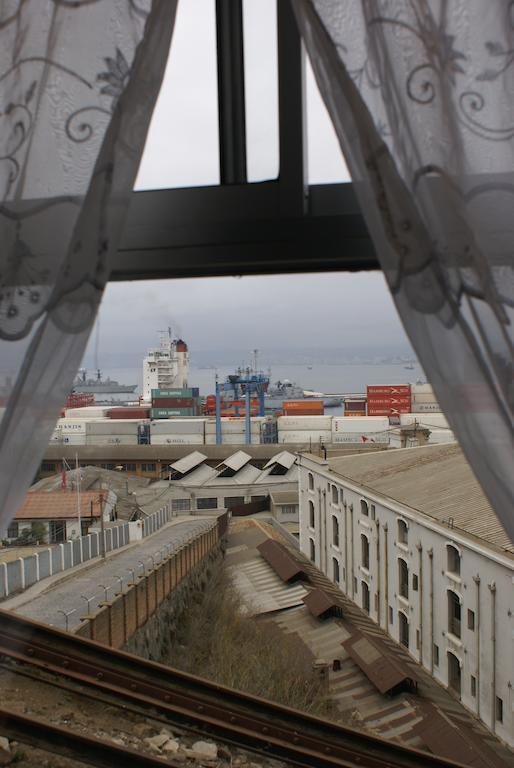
point(305, 407)
point(388, 399)
point(175, 402)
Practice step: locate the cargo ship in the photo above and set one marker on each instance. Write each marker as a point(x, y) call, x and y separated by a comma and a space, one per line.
point(99, 386)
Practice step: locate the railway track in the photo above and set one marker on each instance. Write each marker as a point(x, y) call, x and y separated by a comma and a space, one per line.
point(224, 714)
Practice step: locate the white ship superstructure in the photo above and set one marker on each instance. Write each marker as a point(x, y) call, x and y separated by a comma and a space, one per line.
point(167, 366)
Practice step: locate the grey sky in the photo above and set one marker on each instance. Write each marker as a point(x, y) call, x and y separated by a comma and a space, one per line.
point(182, 150)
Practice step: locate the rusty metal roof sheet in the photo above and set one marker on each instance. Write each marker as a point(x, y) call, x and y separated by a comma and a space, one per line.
point(320, 602)
point(282, 562)
point(379, 666)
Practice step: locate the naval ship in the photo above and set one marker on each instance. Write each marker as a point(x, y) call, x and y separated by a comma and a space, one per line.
point(99, 386)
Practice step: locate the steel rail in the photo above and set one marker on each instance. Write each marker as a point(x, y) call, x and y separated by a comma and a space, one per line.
point(226, 714)
point(63, 741)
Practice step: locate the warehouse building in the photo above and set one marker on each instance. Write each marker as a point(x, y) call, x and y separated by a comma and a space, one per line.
point(410, 537)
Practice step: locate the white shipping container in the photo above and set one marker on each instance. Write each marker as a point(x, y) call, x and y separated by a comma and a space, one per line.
point(71, 425)
point(113, 427)
point(178, 427)
point(180, 439)
point(111, 439)
point(73, 439)
point(305, 436)
point(302, 423)
point(368, 438)
point(232, 427)
point(232, 439)
point(437, 420)
point(425, 408)
point(438, 436)
point(88, 412)
point(354, 424)
point(424, 398)
point(421, 389)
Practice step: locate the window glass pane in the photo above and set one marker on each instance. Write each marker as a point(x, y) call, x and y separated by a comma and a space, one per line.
point(325, 160)
point(182, 145)
point(261, 88)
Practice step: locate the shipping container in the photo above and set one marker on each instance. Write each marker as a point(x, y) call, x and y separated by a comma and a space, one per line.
point(234, 425)
point(180, 439)
point(304, 422)
point(425, 408)
point(392, 411)
point(421, 389)
point(364, 423)
point(194, 426)
point(165, 413)
point(89, 412)
point(376, 401)
point(422, 399)
point(233, 439)
point(116, 427)
point(437, 420)
point(355, 405)
point(71, 439)
point(135, 412)
point(360, 437)
point(175, 402)
point(121, 439)
point(354, 413)
point(305, 436)
point(187, 393)
point(306, 403)
point(388, 389)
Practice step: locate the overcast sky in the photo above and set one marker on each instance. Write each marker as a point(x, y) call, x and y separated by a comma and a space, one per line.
point(182, 150)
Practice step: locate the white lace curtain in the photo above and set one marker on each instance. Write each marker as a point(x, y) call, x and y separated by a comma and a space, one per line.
point(78, 83)
point(421, 95)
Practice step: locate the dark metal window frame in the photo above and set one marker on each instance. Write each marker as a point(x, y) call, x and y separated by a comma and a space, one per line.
point(239, 228)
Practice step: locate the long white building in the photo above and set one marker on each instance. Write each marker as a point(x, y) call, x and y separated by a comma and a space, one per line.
point(410, 537)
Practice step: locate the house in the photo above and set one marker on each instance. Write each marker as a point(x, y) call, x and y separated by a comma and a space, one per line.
point(53, 516)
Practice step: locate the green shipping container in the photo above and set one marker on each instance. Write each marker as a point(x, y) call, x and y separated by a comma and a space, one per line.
point(165, 413)
point(191, 392)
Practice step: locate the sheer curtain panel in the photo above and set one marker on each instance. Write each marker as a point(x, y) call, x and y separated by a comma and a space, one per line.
point(421, 94)
point(78, 83)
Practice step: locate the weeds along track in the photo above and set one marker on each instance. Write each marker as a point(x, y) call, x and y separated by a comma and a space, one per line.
point(176, 697)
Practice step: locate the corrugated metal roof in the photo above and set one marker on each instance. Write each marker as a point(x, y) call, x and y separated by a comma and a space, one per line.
point(235, 462)
point(320, 603)
point(436, 480)
point(282, 562)
point(285, 497)
point(56, 505)
point(284, 458)
point(202, 474)
point(385, 672)
point(188, 462)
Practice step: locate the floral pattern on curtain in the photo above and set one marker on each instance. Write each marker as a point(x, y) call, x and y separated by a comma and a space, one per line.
point(78, 83)
point(421, 95)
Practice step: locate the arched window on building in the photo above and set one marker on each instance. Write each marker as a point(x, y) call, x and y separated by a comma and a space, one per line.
point(335, 494)
point(310, 478)
point(403, 578)
point(364, 551)
point(403, 629)
point(335, 531)
point(453, 559)
point(403, 532)
point(364, 508)
point(454, 674)
point(312, 550)
point(312, 520)
point(365, 596)
point(335, 569)
point(454, 614)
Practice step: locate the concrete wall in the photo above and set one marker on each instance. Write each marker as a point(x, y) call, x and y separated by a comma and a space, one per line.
point(484, 586)
point(128, 620)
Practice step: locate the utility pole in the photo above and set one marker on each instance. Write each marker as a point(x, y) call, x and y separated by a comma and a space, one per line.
point(78, 492)
point(102, 526)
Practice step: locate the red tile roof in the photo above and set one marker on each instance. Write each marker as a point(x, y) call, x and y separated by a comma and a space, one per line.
point(50, 505)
